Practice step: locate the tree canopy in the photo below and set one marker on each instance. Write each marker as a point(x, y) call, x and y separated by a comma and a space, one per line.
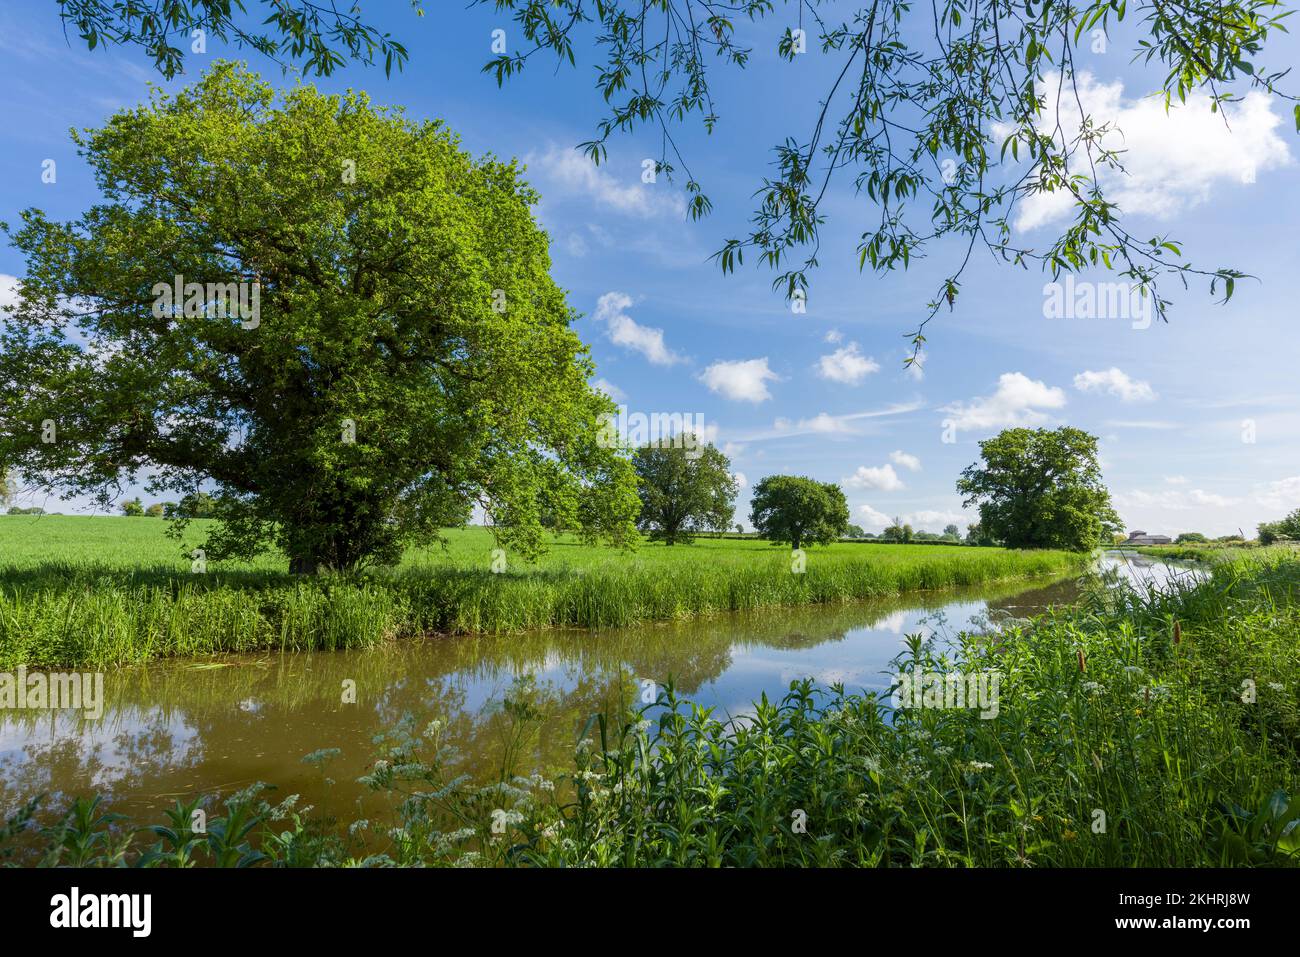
point(1040, 488)
point(328, 314)
point(686, 486)
point(799, 510)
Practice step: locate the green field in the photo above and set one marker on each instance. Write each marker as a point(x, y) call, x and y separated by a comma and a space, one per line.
point(107, 590)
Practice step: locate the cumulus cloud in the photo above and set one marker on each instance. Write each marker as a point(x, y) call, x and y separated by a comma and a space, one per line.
point(881, 477)
point(611, 390)
point(847, 365)
point(910, 462)
point(834, 337)
point(569, 171)
point(742, 481)
point(872, 518)
point(743, 380)
point(1172, 160)
point(1018, 401)
point(623, 330)
point(1117, 383)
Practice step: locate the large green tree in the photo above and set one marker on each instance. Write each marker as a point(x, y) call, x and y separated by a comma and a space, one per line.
point(799, 510)
point(1040, 488)
point(946, 117)
point(398, 352)
point(686, 486)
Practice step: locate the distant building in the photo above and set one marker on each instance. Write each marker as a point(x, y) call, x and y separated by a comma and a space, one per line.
point(1142, 538)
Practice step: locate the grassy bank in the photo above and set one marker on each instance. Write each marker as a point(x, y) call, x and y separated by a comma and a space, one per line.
point(106, 591)
point(1157, 729)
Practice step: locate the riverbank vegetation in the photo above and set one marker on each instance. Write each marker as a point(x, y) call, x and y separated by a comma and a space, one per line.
point(1140, 728)
point(107, 591)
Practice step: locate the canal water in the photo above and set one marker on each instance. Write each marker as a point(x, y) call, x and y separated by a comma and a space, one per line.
point(177, 729)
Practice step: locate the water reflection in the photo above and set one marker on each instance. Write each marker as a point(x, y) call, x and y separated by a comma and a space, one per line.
point(177, 729)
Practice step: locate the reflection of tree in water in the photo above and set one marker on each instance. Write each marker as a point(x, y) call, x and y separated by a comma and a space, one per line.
point(130, 751)
point(179, 728)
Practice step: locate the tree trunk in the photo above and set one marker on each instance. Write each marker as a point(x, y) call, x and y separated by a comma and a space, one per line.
point(303, 565)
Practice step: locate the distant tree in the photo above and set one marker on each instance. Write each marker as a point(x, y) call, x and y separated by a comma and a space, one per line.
point(1230, 538)
point(133, 508)
point(194, 505)
point(976, 535)
point(1190, 538)
point(894, 531)
point(1041, 488)
point(908, 534)
point(33, 510)
point(685, 487)
point(799, 510)
point(154, 511)
point(1268, 533)
point(855, 531)
point(924, 536)
point(951, 531)
point(740, 529)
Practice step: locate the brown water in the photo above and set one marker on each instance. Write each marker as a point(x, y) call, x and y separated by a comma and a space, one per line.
point(179, 729)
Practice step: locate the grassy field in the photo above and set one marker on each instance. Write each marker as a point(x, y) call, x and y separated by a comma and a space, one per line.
point(1156, 729)
point(104, 590)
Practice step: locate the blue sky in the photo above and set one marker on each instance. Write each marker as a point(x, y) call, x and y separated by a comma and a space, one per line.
point(825, 393)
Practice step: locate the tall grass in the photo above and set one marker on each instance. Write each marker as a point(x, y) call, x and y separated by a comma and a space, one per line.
point(119, 600)
point(1125, 736)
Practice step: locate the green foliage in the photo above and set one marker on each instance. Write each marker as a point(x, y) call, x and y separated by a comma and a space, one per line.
point(1287, 529)
point(99, 591)
point(133, 509)
point(156, 510)
point(1190, 538)
point(409, 355)
point(943, 115)
point(799, 510)
point(320, 37)
point(1040, 488)
point(1131, 705)
point(685, 487)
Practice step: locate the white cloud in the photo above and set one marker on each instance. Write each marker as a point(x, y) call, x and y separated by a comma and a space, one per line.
point(907, 461)
point(572, 172)
point(611, 390)
point(1117, 383)
point(847, 365)
point(744, 380)
point(1282, 495)
point(881, 477)
point(1176, 479)
point(625, 331)
point(1175, 500)
point(935, 520)
point(741, 480)
point(1017, 401)
point(1172, 160)
point(8, 292)
point(834, 337)
point(873, 518)
point(575, 245)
